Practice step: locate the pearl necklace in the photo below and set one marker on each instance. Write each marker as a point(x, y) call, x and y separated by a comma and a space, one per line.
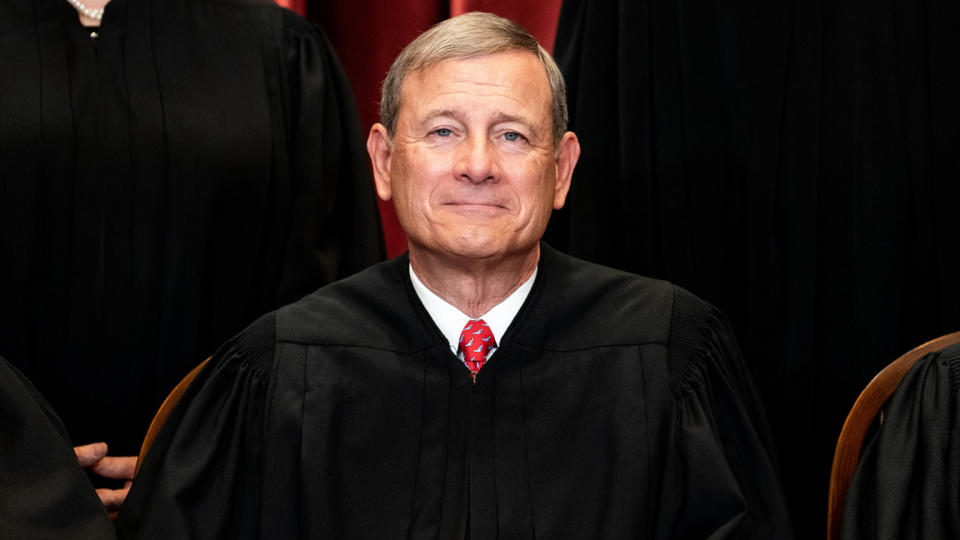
point(95, 14)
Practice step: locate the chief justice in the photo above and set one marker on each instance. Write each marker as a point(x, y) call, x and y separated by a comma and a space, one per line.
point(483, 385)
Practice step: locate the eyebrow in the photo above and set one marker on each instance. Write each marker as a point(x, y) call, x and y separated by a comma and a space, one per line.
point(500, 118)
point(438, 114)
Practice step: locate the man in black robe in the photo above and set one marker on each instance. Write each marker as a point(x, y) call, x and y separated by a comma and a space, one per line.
point(482, 385)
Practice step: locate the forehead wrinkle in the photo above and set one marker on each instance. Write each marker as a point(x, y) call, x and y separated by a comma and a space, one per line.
point(448, 93)
point(458, 111)
point(481, 83)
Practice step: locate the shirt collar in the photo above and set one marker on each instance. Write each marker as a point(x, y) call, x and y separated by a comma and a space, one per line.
point(451, 320)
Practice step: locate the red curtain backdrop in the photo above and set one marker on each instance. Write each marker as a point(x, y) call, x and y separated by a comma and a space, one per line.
point(369, 34)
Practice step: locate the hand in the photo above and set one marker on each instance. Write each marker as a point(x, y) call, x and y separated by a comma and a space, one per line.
point(94, 457)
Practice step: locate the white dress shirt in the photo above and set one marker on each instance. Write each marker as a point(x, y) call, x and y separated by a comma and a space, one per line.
point(451, 320)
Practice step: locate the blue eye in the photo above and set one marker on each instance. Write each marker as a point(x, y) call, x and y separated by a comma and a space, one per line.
point(511, 136)
point(443, 132)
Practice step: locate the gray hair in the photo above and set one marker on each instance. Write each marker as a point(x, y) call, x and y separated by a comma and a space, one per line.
point(466, 36)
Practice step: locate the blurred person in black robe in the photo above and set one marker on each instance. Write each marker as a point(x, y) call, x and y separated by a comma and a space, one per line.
point(44, 493)
point(167, 175)
point(906, 486)
point(597, 403)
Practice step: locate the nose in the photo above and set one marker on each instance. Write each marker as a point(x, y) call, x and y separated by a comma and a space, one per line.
point(476, 160)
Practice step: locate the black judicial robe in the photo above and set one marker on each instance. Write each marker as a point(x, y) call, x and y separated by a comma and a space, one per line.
point(162, 185)
point(907, 484)
point(615, 407)
point(44, 494)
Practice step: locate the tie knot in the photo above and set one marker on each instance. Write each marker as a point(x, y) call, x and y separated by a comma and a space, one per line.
point(476, 341)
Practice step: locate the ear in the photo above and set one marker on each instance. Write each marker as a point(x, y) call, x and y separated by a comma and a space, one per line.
point(380, 150)
point(568, 152)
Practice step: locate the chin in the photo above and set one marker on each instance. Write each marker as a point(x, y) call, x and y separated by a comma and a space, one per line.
point(476, 251)
point(491, 248)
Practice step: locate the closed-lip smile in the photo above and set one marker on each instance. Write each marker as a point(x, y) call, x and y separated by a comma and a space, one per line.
point(471, 206)
point(474, 203)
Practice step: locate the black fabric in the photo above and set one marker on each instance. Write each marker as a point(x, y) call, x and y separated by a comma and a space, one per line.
point(162, 185)
point(616, 407)
point(795, 164)
point(44, 494)
point(907, 485)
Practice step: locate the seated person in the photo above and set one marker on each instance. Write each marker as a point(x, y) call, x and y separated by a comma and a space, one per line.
point(906, 486)
point(483, 385)
point(43, 491)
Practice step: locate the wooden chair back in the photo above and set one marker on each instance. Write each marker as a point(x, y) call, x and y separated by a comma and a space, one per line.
point(858, 422)
point(164, 411)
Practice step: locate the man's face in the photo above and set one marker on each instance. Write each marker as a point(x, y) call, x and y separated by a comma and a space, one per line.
point(472, 169)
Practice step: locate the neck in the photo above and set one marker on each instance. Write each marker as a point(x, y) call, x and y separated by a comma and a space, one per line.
point(85, 19)
point(472, 286)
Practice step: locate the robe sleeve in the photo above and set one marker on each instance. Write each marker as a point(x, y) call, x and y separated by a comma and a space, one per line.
point(907, 483)
point(722, 479)
point(43, 491)
point(335, 228)
point(203, 475)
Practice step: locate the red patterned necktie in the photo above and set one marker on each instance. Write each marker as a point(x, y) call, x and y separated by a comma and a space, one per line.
point(476, 341)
